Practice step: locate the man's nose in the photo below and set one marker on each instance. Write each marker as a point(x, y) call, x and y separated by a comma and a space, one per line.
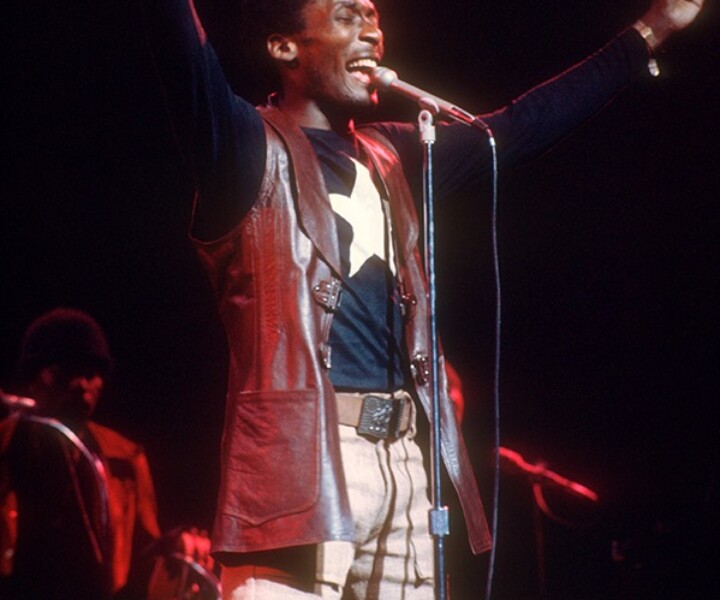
point(91, 383)
point(371, 33)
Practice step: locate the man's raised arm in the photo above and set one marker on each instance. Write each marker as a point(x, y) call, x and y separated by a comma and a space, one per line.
point(665, 17)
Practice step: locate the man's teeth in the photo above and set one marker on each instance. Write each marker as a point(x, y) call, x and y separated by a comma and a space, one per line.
point(362, 64)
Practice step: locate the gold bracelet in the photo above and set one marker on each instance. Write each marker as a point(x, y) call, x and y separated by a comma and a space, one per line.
point(648, 34)
point(652, 42)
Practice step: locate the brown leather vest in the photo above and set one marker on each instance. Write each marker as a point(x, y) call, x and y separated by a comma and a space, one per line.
point(276, 275)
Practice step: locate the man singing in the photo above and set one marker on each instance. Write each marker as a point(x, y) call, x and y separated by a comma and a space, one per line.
point(307, 226)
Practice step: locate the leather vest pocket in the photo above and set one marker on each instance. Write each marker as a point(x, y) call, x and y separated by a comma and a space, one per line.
point(271, 455)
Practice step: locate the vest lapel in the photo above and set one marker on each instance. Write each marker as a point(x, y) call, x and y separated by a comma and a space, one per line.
point(315, 213)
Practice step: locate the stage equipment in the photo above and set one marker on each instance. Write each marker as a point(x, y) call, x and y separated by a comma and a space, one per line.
point(179, 577)
point(539, 475)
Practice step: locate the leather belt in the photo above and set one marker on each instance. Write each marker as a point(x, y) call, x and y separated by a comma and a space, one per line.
point(378, 415)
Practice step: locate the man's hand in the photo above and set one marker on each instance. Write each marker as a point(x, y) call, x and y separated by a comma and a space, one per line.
point(665, 17)
point(195, 545)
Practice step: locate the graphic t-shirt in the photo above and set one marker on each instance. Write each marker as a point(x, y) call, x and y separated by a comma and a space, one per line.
point(367, 328)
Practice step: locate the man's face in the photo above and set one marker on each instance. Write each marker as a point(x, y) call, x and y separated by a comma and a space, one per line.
point(337, 50)
point(74, 395)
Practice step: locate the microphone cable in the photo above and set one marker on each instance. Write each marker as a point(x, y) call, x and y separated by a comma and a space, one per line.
point(496, 364)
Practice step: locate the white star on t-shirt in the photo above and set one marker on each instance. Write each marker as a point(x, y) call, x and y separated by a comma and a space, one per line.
point(363, 210)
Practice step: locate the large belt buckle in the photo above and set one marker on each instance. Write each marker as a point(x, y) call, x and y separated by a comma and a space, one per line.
point(376, 417)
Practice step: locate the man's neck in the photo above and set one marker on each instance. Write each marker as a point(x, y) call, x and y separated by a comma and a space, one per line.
point(310, 115)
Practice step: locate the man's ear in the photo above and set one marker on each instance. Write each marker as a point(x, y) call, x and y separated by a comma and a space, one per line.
point(44, 381)
point(282, 49)
point(48, 376)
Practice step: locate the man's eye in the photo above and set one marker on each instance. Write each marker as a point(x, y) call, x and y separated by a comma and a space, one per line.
point(346, 17)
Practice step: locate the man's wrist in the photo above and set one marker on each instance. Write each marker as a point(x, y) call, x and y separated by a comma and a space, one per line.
point(648, 34)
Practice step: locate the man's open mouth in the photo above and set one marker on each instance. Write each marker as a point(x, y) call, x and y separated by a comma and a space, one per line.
point(361, 68)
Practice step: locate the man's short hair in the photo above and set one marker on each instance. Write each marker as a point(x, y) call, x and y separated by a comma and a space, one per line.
point(261, 18)
point(67, 337)
point(274, 16)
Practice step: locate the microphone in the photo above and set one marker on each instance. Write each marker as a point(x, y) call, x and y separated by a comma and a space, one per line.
point(14, 402)
point(387, 80)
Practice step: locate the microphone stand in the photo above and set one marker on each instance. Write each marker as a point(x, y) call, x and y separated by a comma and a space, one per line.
point(538, 474)
point(439, 517)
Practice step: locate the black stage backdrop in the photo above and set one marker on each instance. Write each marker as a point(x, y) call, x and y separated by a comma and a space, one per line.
point(608, 251)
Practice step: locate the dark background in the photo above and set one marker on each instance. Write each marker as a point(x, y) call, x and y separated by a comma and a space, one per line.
point(608, 256)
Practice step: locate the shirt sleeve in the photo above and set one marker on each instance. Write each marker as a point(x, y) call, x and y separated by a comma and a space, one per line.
point(146, 500)
point(528, 125)
point(220, 137)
